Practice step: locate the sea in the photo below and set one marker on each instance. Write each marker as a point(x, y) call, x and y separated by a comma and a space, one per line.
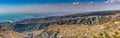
point(21, 16)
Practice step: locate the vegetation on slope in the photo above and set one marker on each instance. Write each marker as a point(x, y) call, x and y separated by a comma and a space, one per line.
point(109, 29)
point(10, 34)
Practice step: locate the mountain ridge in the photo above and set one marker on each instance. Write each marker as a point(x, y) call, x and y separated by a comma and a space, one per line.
point(83, 24)
point(94, 18)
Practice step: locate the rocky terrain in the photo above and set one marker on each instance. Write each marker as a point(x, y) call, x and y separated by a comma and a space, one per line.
point(100, 24)
point(10, 34)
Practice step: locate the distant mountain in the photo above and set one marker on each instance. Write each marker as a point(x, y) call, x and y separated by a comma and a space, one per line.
point(19, 16)
point(57, 26)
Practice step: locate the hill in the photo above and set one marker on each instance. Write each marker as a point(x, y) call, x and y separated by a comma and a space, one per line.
point(81, 25)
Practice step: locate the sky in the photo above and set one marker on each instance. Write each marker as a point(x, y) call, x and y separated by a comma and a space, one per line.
point(45, 1)
point(11, 9)
point(43, 6)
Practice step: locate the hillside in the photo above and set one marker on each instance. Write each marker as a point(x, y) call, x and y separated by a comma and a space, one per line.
point(81, 25)
point(10, 34)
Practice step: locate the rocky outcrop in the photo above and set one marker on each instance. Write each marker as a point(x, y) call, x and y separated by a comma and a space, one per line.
point(90, 18)
point(48, 34)
point(77, 31)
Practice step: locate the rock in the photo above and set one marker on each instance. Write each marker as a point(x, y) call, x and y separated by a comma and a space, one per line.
point(89, 19)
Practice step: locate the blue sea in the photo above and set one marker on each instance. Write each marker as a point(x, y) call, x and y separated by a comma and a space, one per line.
point(20, 16)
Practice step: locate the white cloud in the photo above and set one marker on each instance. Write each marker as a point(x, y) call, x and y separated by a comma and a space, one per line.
point(55, 8)
point(113, 1)
point(76, 3)
point(90, 3)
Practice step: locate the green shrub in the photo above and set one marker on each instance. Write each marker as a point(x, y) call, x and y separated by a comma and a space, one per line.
point(106, 35)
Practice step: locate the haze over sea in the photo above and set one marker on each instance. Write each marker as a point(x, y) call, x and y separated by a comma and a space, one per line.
point(24, 9)
point(21, 16)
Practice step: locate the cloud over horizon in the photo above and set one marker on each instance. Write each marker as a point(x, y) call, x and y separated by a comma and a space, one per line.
point(35, 8)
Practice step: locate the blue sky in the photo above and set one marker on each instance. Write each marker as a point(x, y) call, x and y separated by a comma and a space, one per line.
point(40, 6)
point(45, 1)
point(53, 6)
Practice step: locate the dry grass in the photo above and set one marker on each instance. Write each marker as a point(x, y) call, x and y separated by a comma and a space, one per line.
point(107, 30)
point(10, 34)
